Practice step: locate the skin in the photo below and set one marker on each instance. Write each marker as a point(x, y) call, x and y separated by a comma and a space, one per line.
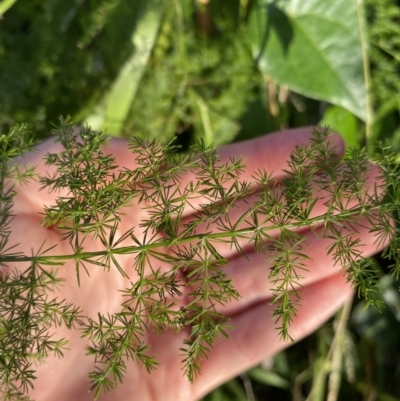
point(254, 338)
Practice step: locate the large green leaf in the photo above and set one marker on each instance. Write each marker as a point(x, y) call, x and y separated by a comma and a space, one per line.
point(5, 5)
point(343, 122)
point(111, 112)
point(314, 47)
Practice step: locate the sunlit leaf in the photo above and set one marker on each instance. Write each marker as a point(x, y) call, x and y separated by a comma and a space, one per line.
point(113, 108)
point(314, 48)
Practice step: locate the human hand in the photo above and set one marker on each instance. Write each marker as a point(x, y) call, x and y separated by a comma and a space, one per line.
point(324, 290)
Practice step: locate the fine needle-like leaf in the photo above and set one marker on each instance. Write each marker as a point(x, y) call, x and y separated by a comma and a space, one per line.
point(96, 194)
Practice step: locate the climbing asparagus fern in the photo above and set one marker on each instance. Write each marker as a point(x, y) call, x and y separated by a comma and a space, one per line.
point(188, 200)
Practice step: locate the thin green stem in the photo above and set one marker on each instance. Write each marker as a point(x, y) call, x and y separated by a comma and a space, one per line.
point(244, 232)
point(367, 73)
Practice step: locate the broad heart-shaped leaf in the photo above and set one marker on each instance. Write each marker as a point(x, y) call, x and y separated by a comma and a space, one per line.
point(314, 47)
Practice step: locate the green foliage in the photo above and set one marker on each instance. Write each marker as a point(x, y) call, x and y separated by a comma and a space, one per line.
point(344, 122)
point(27, 310)
point(190, 80)
point(98, 193)
point(198, 80)
point(384, 38)
point(112, 110)
point(194, 81)
point(39, 38)
point(5, 5)
point(307, 46)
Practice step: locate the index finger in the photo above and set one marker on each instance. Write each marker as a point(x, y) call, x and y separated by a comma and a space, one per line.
point(270, 153)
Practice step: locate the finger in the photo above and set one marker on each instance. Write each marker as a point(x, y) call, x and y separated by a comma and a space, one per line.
point(34, 197)
point(270, 153)
point(255, 337)
point(251, 278)
point(267, 222)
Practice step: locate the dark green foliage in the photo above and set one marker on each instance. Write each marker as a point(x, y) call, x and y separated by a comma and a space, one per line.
point(195, 81)
point(27, 309)
point(384, 38)
point(39, 38)
point(59, 57)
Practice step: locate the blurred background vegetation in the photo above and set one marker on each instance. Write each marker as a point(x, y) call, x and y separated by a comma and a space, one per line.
point(227, 70)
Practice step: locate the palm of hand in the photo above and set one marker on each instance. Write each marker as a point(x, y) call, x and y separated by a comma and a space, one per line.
point(253, 340)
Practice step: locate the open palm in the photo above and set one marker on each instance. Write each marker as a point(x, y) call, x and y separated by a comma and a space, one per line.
point(324, 289)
